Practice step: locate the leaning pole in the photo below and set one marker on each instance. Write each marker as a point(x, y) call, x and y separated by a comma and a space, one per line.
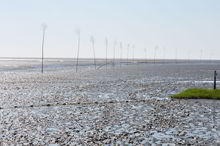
point(78, 46)
point(93, 48)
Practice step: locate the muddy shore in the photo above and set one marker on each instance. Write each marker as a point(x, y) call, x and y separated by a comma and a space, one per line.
point(120, 105)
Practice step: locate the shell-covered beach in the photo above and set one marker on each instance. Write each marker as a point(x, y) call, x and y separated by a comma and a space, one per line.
point(128, 104)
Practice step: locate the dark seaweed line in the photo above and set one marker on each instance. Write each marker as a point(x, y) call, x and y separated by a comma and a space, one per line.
point(77, 103)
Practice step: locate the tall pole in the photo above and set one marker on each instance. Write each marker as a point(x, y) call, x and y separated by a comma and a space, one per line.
point(155, 51)
point(128, 52)
point(210, 57)
point(176, 55)
point(93, 48)
point(145, 52)
point(189, 55)
point(201, 55)
point(44, 27)
point(215, 74)
point(78, 46)
point(115, 43)
point(121, 46)
point(106, 52)
point(164, 51)
point(133, 52)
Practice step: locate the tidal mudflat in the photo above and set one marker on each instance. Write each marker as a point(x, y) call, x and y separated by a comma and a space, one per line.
point(121, 105)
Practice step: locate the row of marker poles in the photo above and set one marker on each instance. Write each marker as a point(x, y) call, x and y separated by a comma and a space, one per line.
point(44, 27)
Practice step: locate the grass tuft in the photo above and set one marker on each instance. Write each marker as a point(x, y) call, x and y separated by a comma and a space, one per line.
point(198, 94)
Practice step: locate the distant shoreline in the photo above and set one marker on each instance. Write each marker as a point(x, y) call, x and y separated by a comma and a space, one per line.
point(109, 59)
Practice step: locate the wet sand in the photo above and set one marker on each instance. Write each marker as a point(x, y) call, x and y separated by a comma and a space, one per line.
point(120, 105)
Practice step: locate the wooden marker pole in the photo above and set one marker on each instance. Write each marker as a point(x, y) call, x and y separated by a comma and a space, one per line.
point(215, 74)
point(44, 27)
point(93, 48)
point(106, 53)
point(78, 46)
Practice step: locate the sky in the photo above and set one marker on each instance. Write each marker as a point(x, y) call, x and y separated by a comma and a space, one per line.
point(168, 29)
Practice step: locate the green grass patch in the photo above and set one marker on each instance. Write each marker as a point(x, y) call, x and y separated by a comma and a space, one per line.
point(198, 94)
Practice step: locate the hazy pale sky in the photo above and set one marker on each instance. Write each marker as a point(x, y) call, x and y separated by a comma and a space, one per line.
point(189, 27)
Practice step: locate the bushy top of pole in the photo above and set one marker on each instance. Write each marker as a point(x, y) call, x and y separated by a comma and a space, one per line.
point(44, 26)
